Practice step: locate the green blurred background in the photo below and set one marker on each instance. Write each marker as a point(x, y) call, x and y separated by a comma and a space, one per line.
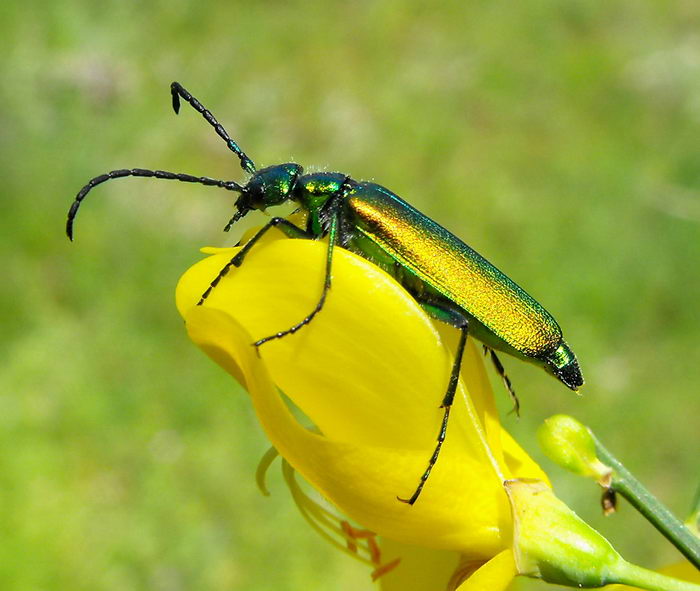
point(561, 139)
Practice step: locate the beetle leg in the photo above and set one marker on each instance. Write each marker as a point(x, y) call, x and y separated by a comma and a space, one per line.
point(454, 318)
point(284, 225)
point(332, 238)
point(506, 380)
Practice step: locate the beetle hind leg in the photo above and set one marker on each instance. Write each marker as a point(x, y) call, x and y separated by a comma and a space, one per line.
point(506, 380)
point(454, 318)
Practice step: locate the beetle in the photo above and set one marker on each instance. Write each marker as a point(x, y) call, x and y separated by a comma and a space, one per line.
point(451, 281)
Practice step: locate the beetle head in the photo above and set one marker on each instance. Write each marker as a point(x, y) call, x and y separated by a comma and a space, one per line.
point(270, 186)
point(563, 365)
point(267, 187)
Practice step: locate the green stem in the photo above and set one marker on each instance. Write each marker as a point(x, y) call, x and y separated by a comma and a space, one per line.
point(631, 574)
point(649, 506)
point(696, 502)
point(693, 521)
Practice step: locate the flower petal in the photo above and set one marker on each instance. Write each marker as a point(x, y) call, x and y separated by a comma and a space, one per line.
point(521, 465)
point(420, 569)
point(370, 329)
point(495, 575)
point(461, 509)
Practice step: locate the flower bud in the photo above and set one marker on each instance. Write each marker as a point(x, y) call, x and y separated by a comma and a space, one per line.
point(568, 443)
point(552, 543)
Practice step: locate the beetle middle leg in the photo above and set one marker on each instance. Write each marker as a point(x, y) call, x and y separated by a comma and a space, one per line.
point(506, 380)
point(292, 231)
point(332, 238)
point(454, 318)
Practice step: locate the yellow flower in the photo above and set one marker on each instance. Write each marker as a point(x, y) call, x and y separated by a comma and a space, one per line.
point(369, 372)
point(363, 384)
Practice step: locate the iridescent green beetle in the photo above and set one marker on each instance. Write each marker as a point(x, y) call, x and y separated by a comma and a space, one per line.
point(451, 281)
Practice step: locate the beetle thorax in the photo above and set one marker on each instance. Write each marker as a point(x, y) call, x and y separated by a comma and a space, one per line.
point(313, 190)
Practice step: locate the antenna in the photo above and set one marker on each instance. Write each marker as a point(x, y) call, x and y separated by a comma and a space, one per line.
point(178, 91)
point(142, 172)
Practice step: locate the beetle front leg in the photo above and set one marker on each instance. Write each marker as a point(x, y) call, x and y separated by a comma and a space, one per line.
point(286, 226)
point(455, 318)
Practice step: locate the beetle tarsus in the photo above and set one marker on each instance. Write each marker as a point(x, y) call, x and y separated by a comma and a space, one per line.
point(297, 326)
point(506, 380)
